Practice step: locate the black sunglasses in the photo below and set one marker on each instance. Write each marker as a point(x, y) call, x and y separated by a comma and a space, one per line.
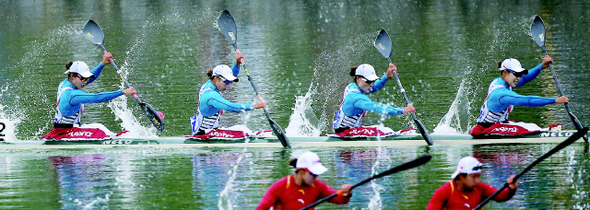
point(83, 79)
point(366, 80)
point(223, 79)
point(519, 74)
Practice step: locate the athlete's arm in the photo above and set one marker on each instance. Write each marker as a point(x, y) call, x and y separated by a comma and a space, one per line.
point(96, 71)
point(439, 198)
point(533, 73)
point(235, 69)
point(327, 191)
point(81, 97)
point(270, 197)
point(215, 100)
point(380, 83)
point(368, 105)
point(501, 98)
point(505, 195)
point(510, 97)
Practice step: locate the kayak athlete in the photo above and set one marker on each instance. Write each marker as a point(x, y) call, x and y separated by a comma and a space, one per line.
point(301, 189)
point(356, 103)
point(71, 100)
point(211, 104)
point(465, 191)
point(501, 100)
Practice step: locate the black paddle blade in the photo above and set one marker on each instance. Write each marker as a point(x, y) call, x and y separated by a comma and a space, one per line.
point(383, 43)
point(93, 33)
point(227, 26)
point(151, 114)
point(538, 31)
point(278, 131)
point(423, 131)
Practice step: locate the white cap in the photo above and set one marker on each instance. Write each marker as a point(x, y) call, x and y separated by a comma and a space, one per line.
point(80, 68)
point(367, 71)
point(311, 162)
point(467, 165)
point(225, 72)
point(511, 64)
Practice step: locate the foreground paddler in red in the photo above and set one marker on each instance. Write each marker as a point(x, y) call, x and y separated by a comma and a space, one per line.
point(465, 191)
point(356, 103)
point(301, 189)
point(206, 123)
point(71, 100)
point(493, 117)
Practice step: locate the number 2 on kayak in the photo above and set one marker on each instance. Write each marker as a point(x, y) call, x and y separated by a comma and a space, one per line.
point(1, 130)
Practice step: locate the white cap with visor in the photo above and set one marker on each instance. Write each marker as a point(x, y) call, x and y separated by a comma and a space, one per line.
point(225, 72)
point(79, 67)
point(367, 71)
point(310, 161)
point(467, 165)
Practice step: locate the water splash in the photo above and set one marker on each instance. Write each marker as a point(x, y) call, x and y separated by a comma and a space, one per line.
point(224, 196)
point(128, 120)
point(303, 121)
point(119, 105)
point(330, 76)
point(456, 120)
point(9, 120)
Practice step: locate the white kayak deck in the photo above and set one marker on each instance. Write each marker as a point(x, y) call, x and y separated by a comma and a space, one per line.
point(177, 142)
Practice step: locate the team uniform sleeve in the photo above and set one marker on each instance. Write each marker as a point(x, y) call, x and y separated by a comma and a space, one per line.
point(505, 195)
point(96, 71)
point(379, 84)
point(368, 105)
point(501, 98)
point(81, 97)
point(439, 198)
point(270, 197)
point(510, 97)
point(327, 191)
point(533, 73)
point(218, 102)
point(235, 69)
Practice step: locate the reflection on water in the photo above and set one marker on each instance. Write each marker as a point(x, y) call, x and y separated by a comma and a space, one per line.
point(235, 178)
point(298, 53)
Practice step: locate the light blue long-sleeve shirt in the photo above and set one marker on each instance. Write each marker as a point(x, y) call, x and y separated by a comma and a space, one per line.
point(358, 101)
point(500, 98)
point(211, 100)
point(71, 99)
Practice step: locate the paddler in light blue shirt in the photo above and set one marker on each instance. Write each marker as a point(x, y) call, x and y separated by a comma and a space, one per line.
point(501, 99)
point(71, 98)
point(356, 103)
point(212, 104)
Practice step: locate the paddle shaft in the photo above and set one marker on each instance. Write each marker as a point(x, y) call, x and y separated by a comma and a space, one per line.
point(562, 145)
point(423, 130)
point(575, 120)
point(256, 91)
point(412, 164)
point(119, 72)
point(228, 28)
point(275, 127)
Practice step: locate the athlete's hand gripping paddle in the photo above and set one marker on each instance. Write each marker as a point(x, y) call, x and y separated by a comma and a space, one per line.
point(93, 33)
point(227, 26)
point(383, 45)
point(538, 33)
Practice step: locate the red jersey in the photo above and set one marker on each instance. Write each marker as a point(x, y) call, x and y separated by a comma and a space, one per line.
point(448, 197)
point(286, 194)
